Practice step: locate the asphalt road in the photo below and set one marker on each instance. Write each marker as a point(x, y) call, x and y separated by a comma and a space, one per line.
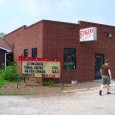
point(78, 102)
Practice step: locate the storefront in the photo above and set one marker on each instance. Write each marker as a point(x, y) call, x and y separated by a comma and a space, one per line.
point(81, 48)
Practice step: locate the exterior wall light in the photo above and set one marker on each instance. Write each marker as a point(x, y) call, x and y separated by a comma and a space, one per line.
point(109, 34)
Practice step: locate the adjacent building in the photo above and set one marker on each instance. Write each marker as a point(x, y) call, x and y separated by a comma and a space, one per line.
point(5, 53)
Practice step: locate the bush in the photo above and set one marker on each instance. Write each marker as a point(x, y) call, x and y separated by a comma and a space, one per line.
point(10, 73)
point(2, 82)
point(48, 83)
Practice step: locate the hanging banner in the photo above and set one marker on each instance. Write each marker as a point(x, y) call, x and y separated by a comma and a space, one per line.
point(88, 34)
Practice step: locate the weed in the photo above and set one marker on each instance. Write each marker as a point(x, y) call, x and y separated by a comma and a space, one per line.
point(48, 83)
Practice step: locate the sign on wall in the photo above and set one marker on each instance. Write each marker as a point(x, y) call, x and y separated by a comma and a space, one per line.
point(37, 67)
point(88, 34)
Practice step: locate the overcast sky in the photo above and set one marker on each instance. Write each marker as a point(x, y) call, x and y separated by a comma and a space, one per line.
point(16, 13)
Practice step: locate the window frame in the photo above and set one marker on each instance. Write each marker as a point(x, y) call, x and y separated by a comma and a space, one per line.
point(33, 51)
point(69, 59)
point(25, 52)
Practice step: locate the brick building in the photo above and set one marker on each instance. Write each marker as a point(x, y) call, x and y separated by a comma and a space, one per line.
point(59, 40)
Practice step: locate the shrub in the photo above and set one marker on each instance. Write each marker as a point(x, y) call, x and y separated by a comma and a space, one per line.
point(2, 82)
point(48, 83)
point(10, 73)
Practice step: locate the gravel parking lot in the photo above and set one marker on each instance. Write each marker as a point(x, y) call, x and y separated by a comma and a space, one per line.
point(74, 102)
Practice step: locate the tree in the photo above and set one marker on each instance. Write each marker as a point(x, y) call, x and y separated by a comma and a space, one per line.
point(2, 35)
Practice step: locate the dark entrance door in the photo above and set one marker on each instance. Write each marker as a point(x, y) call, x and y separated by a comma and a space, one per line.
point(99, 60)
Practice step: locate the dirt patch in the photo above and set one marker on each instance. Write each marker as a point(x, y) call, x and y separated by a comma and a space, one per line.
point(11, 88)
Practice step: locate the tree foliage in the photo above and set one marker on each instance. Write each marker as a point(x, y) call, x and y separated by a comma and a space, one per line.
point(2, 35)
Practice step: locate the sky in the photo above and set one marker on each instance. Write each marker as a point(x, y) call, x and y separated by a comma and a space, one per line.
point(16, 13)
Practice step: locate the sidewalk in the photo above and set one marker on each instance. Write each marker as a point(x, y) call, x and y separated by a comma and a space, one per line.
point(87, 85)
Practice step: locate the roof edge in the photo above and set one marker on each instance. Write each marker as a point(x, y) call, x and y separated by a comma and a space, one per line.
point(5, 49)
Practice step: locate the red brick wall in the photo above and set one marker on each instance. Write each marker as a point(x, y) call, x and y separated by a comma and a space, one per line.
point(57, 36)
point(103, 45)
point(26, 38)
point(51, 37)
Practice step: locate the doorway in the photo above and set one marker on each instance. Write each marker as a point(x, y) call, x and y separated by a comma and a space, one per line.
point(99, 60)
point(9, 58)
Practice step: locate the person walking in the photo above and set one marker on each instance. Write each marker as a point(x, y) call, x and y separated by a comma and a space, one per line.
point(106, 76)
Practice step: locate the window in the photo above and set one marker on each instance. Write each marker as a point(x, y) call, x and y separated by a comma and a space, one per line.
point(69, 59)
point(34, 52)
point(25, 52)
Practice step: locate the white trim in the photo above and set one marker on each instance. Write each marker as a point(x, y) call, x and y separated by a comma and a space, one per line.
point(6, 49)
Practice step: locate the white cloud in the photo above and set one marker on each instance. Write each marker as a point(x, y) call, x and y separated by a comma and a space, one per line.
point(16, 21)
point(29, 7)
point(2, 2)
point(44, 8)
point(63, 6)
point(19, 12)
point(14, 24)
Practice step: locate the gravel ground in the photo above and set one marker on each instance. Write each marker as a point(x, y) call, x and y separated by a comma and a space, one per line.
point(71, 101)
point(85, 102)
point(41, 91)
